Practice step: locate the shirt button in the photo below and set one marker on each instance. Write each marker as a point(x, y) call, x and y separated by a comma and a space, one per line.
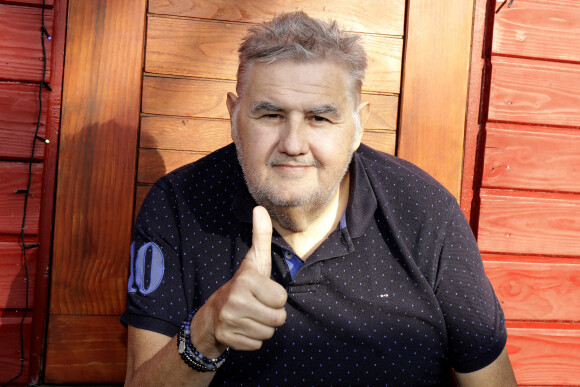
point(288, 254)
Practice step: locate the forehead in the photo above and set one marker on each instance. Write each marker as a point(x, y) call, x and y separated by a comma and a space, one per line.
point(303, 85)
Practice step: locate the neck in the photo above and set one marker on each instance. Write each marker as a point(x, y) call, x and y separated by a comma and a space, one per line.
point(315, 227)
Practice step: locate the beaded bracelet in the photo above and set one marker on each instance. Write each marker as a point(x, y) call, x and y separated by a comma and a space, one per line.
point(190, 355)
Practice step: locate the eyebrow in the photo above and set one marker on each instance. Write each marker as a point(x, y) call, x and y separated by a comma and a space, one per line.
point(325, 109)
point(268, 106)
point(265, 106)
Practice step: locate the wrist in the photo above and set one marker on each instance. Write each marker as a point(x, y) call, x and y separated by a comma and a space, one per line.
point(191, 355)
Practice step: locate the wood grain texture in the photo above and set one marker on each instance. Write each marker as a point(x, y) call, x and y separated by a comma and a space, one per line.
point(96, 173)
point(13, 273)
point(203, 98)
point(387, 17)
point(85, 350)
point(536, 290)
point(435, 86)
point(535, 92)
point(175, 133)
point(20, 45)
point(18, 115)
point(186, 97)
point(206, 49)
point(529, 223)
point(14, 176)
point(47, 210)
point(10, 348)
point(155, 163)
point(526, 157)
point(539, 29)
point(48, 3)
point(545, 354)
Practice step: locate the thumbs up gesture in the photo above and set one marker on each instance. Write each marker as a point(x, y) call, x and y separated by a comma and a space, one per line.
point(247, 309)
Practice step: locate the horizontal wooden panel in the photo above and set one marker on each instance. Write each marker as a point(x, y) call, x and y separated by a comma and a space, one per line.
point(186, 97)
point(525, 157)
point(199, 135)
point(85, 349)
point(47, 3)
point(529, 223)
point(209, 50)
point(20, 45)
point(14, 176)
point(539, 29)
point(155, 163)
point(13, 273)
point(545, 356)
point(535, 92)
point(18, 115)
point(382, 140)
point(10, 348)
point(387, 17)
point(202, 98)
point(536, 291)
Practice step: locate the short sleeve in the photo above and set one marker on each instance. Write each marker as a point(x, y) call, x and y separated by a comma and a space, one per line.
point(473, 316)
point(155, 295)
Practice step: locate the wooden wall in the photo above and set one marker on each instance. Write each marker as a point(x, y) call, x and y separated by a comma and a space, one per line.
point(109, 143)
point(192, 56)
point(21, 66)
point(523, 182)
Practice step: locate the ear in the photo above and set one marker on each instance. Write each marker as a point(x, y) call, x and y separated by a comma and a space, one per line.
point(364, 110)
point(231, 103)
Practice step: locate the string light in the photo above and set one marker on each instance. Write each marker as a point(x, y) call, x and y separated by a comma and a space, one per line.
point(43, 84)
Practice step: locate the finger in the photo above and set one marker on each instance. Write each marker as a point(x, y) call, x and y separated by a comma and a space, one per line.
point(262, 241)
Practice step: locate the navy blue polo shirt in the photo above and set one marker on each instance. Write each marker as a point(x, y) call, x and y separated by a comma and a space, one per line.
point(396, 296)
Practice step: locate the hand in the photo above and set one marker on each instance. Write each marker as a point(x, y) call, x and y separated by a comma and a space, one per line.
point(247, 309)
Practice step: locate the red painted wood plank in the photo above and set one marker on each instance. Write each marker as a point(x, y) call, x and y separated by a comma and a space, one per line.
point(535, 92)
point(18, 115)
point(539, 290)
point(13, 273)
point(20, 45)
point(526, 157)
point(539, 29)
point(14, 176)
point(85, 349)
point(48, 3)
point(10, 348)
point(529, 223)
point(545, 355)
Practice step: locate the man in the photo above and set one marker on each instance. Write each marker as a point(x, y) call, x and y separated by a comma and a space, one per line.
point(301, 257)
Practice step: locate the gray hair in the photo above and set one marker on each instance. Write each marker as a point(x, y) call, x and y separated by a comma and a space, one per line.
point(298, 37)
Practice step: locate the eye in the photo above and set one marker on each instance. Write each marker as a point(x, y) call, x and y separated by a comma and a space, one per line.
point(272, 116)
point(319, 119)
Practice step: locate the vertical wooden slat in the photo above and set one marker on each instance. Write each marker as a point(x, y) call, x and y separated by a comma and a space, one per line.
point(96, 174)
point(45, 226)
point(434, 91)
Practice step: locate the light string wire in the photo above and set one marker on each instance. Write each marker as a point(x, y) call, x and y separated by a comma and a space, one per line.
point(43, 34)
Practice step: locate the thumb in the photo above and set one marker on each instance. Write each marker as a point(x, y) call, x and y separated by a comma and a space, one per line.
point(262, 241)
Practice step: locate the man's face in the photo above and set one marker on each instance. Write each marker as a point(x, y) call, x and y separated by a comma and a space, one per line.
point(295, 133)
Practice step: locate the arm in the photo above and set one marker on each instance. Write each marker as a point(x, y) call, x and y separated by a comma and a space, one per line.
point(241, 314)
point(498, 373)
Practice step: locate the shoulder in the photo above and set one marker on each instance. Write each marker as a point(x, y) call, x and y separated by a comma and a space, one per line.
point(396, 179)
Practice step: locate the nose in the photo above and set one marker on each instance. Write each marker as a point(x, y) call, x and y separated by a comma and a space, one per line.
point(293, 137)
